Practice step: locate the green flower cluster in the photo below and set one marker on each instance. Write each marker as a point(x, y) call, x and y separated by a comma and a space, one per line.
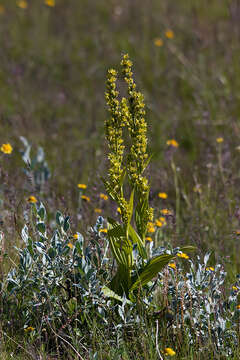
point(137, 158)
point(127, 113)
point(113, 131)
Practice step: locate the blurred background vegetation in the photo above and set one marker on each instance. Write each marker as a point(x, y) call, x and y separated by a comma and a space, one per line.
point(54, 57)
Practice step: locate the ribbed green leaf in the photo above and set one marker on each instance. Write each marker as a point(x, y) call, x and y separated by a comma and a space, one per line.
point(121, 281)
point(116, 231)
point(187, 248)
point(140, 212)
point(120, 245)
point(121, 248)
point(111, 294)
point(131, 206)
point(137, 240)
point(149, 271)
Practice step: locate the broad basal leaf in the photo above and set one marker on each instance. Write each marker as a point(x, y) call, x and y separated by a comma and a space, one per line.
point(150, 270)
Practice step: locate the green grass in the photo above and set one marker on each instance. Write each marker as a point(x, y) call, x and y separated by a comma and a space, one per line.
point(52, 82)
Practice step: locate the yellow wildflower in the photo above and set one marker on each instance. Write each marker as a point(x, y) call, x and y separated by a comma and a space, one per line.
point(75, 236)
point(172, 265)
point(237, 232)
point(158, 42)
point(103, 231)
point(84, 197)
point(183, 255)
point(169, 351)
point(219, 140)
point(6, 148)
point(22, 4)
point(169, 34)
point(148, 238)
point(234, 288)
point(50, 3)
point(173, 143)
point(150, 227)
point(2, 9)
point(98, 211)
point(210, 268)
point(162, 219)
point(103, 196)
point(238, 307)
point(162, 195)
point(158, 223)
point(32, 199)
point(166, 212)
point(82, 186)
point(29, 329)
point(119, 210)
point(70, 245)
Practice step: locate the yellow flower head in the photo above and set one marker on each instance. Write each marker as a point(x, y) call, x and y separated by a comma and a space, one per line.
point(172, 143)
point(172, 265)
point(183, 255)
point(82, 186)
point(32, 199)
point(119, 210)
point(29, 329)
point(86, 198)
point(103, 196)
point(148, 238)
point(103, 231)
point(169, 351)
point(70, 245)
point(234, 288)
point(158, 223)
point(50, 3)
point(98, 211)
point(22, 4)
point(158, 42)
point(169, 34)
point(75, 236)
point(6, 148)
point(162, 195)
point(238, 307)
point(210, 268)
point(150, 227)
point(166, 212)
point(219, 140)
point(2, 9)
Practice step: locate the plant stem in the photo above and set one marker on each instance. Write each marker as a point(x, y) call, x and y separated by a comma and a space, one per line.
point(177, 192)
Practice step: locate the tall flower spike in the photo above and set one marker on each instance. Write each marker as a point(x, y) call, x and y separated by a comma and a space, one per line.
point(113, 130)
point(137, 129)
point(137, 159)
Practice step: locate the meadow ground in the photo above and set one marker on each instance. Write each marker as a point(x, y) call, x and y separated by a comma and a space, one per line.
point(54, 60)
